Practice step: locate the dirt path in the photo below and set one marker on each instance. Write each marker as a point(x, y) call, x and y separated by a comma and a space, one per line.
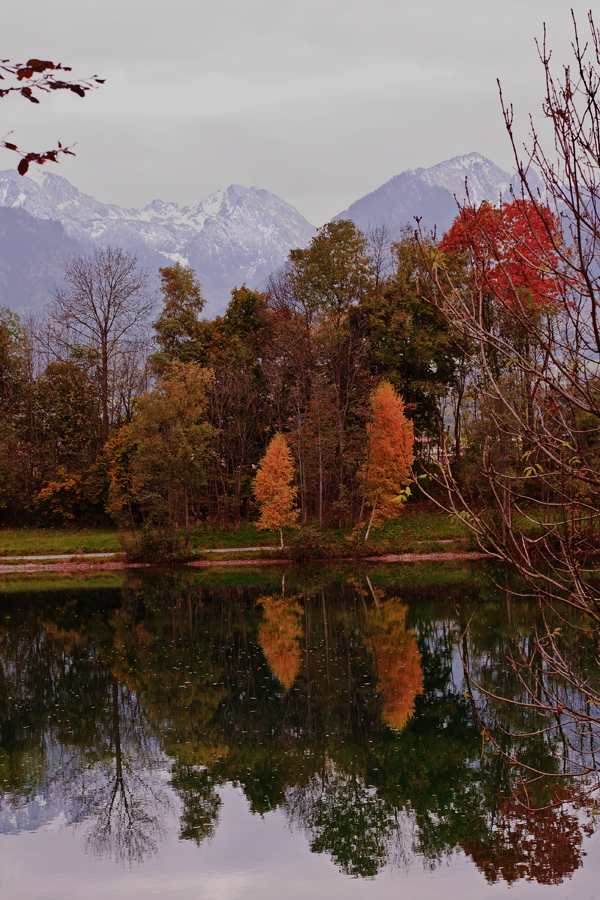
point(40, 556)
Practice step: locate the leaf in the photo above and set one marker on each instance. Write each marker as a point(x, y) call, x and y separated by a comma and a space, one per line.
point(40, 65)
point(22, 167)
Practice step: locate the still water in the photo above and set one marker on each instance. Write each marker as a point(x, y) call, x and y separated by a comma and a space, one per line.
point(222, 735)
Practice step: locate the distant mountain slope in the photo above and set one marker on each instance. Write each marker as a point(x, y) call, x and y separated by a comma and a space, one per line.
point(32, 258)
point(431, 194)
point(237, 235)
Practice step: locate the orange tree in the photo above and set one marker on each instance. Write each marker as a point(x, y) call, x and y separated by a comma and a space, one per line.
point(387, 468)
point(273, 488)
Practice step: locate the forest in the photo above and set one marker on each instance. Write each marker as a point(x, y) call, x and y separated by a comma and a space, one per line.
point(373, 370)
point(109, 409)
point(349, 357)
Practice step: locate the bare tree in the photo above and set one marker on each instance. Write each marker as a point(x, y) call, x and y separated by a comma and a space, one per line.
point(101, 309)
point(538, 357)
point(536, 431)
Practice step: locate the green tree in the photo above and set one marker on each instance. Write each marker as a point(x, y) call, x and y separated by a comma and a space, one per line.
point(179, 329)
point(18, 468)
point(158, 462)
point(412, 344)
point(240, 409)
point(321, 350)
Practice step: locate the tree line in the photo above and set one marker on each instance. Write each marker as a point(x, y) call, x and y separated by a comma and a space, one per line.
point(104, 414)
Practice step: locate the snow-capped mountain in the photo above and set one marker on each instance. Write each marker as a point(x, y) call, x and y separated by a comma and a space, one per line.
point(431, 194)
point(239, 235)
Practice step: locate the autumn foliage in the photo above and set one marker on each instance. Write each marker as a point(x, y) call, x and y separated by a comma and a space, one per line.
point(273, 487)
point(279, 636)
point(27, 80)
point(400, 675)
point(542, 845)
point(387, 468)
point(515, 251)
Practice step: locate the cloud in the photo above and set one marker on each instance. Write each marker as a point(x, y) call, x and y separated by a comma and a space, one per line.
point(318, 102)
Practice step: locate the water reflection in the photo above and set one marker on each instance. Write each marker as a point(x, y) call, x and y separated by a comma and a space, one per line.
point(344, 705)
point(279, 636)
point(74, 740)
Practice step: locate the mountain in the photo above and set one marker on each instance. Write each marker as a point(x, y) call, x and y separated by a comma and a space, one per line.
point(236, 235)
point(33, 253)
point(431, 194)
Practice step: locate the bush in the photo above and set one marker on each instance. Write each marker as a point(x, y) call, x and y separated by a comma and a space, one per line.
point(310, 543)
point(154, 544)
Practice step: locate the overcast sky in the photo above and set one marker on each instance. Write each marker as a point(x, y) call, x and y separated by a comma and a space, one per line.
point(319, 101)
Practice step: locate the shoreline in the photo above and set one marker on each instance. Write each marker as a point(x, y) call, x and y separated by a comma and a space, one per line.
point(89, 565)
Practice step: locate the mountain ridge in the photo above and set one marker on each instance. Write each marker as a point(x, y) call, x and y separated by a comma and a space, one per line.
point(236, 235)
point(433, 195)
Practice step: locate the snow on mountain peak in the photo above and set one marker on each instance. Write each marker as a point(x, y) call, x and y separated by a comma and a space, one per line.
point(235, 235)
point(432, 195)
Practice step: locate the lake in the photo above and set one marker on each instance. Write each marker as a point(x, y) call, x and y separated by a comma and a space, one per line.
point(336, 733)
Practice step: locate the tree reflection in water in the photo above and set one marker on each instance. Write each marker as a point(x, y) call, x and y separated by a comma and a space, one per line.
point(120, 801)
point(542, 845)
point(279, 636)
point(397, 660)
point(96, 760)
point(345, 818)
point(345, 708)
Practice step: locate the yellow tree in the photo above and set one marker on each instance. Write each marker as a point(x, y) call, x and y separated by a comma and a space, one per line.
point(157, 463)
point(387, 469)
point(273, 488)
point(399, 670)
point(279, 636)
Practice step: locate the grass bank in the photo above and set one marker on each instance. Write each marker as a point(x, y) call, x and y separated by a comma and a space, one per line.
point(33, 541)
point(419, 529)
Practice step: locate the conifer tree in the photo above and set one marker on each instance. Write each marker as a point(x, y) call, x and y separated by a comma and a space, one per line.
point(273, 487)
point(387, 469)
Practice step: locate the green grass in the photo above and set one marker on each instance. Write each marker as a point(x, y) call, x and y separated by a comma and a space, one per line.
point(31, 541)
point(418, 529)
point(421, 529)
point(247, 535)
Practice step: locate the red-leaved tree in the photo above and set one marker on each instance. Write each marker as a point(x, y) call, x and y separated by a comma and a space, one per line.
point(29, 80)
point(514, 251)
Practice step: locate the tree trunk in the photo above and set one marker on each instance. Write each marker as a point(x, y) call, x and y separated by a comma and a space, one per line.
point(104, 393)
point(370, 523)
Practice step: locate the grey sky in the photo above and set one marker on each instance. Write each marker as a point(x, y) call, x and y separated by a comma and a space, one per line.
point(319, 101)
